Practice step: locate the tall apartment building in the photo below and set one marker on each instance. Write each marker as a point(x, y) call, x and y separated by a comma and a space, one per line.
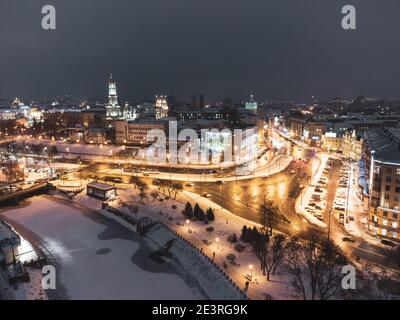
point(382, 151)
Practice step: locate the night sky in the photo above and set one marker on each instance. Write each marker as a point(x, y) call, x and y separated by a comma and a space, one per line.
point(281, 49)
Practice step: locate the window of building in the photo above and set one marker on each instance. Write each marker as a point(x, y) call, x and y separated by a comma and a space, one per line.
point(395, 216)
point(387, 188)
point(377, 169)
point(398, 171)
point(385, 214)
point(375, 219)
point(384, 232)
point(385, 222)
point(394, 234)
point(388, 179)
point(387, 197)
point(394, 224)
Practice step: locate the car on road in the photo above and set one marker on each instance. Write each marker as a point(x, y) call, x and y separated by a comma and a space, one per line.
point(206, 195)
point(319, 216)
point(348, 239)
point(301, 186)
point(221, 182)
point(339, 208)
point(189, 184)
point(351, 218)
point(388, 243)
point(292, 172)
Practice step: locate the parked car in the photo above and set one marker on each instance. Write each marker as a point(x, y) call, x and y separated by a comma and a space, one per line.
point(348, 239)
point(388, 243)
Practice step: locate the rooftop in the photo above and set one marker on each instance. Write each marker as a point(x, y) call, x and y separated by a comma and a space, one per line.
point(101, 186)
point(383, 144)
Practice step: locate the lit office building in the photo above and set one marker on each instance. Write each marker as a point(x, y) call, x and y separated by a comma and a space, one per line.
point(161, 107)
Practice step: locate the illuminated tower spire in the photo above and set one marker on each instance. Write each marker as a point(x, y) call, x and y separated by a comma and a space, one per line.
point(113, 109)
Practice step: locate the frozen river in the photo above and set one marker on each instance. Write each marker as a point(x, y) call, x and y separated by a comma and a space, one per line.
point(98, 258)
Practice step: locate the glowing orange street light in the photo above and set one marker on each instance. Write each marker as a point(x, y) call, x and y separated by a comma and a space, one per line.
point(217, 240)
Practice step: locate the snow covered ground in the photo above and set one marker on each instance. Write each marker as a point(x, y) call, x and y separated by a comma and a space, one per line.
point(98, 258)
point(196, 233)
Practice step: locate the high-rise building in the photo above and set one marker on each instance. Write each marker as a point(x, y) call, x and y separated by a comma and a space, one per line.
point(113, 110)
point(161, 107)
point(198, 102)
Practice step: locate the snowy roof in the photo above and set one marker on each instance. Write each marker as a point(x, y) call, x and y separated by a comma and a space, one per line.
point(101, 186)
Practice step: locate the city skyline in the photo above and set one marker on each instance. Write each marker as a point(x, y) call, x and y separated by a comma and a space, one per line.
point(221, 151)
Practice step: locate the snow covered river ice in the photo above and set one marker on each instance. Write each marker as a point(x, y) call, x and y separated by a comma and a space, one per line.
point(97, 257)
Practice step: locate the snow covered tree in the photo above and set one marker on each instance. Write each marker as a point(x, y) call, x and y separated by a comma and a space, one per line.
point(188, 211)
point(196, 210)
point(210, 214)
point(244, 234)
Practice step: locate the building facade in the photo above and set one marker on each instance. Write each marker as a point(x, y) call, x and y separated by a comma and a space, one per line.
point(383, 165)
point(161, 107)
point(136, 132)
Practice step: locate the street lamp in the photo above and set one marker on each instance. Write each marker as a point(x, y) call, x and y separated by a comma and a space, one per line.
point(217, 240)
point(188, 223)
point(251, 270)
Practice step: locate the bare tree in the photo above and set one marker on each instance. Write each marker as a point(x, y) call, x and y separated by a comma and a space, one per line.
point(154, 194)
point(270, 251)
point(279, 248)
point(260, 247)
point(142, 186)
point(176, 188)
point(315, 265)
point(329, 278)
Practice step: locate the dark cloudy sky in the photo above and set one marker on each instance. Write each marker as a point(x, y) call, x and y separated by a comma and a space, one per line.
point(281, 49)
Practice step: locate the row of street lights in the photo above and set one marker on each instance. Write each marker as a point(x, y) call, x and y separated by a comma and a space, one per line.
point(218, 247)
